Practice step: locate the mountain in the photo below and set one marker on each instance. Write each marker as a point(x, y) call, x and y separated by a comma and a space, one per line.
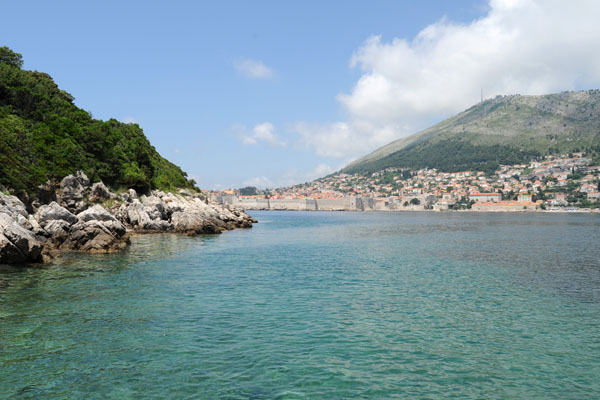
point(504, 130)
point(44, 135)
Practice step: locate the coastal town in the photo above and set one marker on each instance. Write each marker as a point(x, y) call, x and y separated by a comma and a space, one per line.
point(567, 182)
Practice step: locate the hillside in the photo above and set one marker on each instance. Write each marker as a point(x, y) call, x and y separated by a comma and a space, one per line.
point(44, 135)
point(503, 130)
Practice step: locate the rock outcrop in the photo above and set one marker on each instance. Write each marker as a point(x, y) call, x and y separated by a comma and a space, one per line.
point(73, 189)
point(99, 192)
point(70, 221)
point(17, 244)
point(182, 212)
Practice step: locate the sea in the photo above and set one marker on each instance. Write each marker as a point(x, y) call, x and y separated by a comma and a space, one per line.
point(316, 305)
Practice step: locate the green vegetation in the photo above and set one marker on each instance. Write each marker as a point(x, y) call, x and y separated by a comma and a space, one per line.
point(43, 135)
point(248, 191)
point(462, 204)
point(452, 155)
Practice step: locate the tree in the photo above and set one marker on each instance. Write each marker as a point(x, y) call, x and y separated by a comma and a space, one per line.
point(10, 57)
point(248, 191)
point(415, 201)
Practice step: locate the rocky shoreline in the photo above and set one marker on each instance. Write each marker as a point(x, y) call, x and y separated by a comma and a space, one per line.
point(75, 215)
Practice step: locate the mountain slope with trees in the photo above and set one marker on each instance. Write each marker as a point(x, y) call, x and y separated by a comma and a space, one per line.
point(45, 136)
point(504, 130)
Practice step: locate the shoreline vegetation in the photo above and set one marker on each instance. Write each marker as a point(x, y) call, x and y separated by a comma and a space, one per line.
point(45, 209)
point(44, 137)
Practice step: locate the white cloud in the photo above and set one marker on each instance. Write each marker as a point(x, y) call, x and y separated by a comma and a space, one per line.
point(259, 181)
point(519, 47)
point(130, 120)
point(343, 139)
point(254, 69)
point(264, 132)
point(290, 177)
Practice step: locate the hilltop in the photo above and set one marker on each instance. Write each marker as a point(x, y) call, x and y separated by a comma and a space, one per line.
point(45, 136)
point(501, 131)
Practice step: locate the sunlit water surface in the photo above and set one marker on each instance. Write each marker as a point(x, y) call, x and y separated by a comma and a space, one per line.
point(316, 305)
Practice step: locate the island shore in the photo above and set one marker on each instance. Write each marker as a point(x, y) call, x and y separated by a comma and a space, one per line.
point(76, 215)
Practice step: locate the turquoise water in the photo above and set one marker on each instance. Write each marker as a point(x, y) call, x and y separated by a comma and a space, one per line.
point(317, 305)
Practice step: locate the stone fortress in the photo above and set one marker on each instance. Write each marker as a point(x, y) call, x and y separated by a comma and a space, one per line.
point(348, 203)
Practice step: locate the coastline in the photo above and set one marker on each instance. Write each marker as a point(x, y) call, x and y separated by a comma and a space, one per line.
point(581, 210)
point(77, 216)
point(368, 204)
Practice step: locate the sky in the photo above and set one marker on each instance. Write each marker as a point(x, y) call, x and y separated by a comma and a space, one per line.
point(274, 93)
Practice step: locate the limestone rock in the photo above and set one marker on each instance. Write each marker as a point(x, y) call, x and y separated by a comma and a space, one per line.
point(132, 194)
point(100, 215)
point(24, 222)
point(17, 244)
point(70, 223)
point(99, 193)
point(96, 212)
point(137, 215)
point(12, 206)
point(53, 211)
point(95, 236)
point(72, 191)
point(56, 232)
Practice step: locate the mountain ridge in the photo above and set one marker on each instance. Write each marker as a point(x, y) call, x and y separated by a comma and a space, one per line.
point(505, 129)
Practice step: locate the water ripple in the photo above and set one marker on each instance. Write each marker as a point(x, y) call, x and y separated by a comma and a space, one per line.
point(316, 305)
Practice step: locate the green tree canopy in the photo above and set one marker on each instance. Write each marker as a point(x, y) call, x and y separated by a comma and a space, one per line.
point(10, 57)
point(44, 135)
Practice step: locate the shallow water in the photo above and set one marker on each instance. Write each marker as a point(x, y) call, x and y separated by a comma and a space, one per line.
point(316, 305)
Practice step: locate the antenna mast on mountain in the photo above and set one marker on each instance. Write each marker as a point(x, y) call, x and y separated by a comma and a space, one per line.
point(482, 95)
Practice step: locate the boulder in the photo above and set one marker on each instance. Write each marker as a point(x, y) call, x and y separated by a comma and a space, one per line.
point(56, 232)
point(24, 222)
point(132, 194)
point(99, 214)
point(72, 191)
point(96, 230)
point(17, 244)
point(155, 208)
point(12, 206)
point(139, 219)
point(96, 236)
point(100, 193)
point(96, 213)
point(82, 179)
point(189, 222)
point(53, 211)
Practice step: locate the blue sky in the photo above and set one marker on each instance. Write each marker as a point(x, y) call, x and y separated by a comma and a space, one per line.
point(273, 93)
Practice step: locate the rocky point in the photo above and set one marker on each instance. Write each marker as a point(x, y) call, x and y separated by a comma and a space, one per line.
point(76, 215)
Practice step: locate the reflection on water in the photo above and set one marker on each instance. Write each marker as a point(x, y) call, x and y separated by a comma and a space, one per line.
point(316, 305)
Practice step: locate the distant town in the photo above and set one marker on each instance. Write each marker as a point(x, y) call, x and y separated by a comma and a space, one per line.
point(556, 183)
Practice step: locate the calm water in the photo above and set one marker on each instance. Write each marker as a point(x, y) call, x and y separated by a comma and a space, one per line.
point(317, 305)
